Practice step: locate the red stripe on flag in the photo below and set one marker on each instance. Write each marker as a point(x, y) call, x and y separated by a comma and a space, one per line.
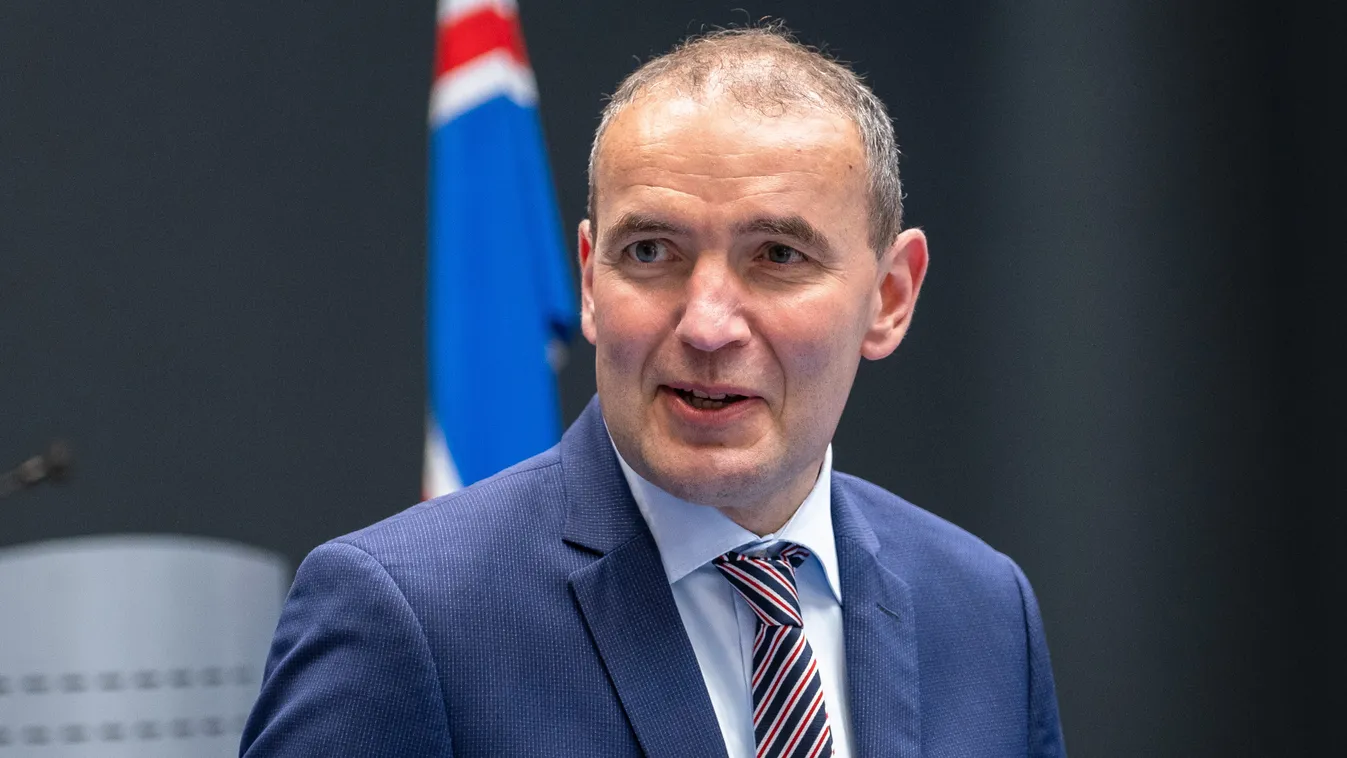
point(477, 34)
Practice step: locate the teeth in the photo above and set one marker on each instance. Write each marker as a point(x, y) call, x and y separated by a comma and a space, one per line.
point(705, 396)
point(706, 401)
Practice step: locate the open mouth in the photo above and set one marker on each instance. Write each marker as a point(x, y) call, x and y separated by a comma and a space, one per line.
point(706, 402)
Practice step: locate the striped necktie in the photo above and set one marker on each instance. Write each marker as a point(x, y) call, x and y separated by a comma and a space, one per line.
point(789, 717)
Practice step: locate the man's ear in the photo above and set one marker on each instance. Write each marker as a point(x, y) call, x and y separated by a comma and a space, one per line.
point(585, 245)
point(902, 269)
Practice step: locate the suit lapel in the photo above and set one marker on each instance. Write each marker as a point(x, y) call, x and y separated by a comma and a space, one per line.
point(879, 626)
point(627, 604)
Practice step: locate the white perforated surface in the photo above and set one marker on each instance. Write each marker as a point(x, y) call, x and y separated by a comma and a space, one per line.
point(133, 645)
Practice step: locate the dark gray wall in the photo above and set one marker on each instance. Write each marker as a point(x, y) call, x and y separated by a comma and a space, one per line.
point(1124, 371)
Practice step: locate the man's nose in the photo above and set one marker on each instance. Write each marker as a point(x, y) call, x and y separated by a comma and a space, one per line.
point(713, 315)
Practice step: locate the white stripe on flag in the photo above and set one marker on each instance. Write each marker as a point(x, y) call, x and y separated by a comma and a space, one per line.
point(449, 10)
point(472, 84)
point(439, 477)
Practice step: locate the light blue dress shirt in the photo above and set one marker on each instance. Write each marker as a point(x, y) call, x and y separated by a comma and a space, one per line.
point(719, 622)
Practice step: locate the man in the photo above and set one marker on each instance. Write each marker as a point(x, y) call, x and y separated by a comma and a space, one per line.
point(684, 574)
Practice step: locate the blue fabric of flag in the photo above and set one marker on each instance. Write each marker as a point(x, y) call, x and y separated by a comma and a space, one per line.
point(500, 289)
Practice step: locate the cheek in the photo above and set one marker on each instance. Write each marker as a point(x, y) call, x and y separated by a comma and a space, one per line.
point(816, 337)
point(626, 328)
point(805, 351)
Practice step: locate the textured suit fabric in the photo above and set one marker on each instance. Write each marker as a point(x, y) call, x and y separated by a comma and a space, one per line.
point(529, 615)
point(717, 620)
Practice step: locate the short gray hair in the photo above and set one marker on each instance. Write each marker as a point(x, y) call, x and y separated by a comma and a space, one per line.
point(766, 69)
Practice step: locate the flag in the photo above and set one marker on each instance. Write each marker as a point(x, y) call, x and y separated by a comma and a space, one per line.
point(500, 299)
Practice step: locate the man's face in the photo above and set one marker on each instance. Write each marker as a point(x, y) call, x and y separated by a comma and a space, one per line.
point(730, 292)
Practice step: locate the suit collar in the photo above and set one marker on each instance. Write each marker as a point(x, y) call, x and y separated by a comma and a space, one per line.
point(690, 535)
point(600, 512)
point(627, 605)
point(880, 628)
point(849, 523)
point(625, 598)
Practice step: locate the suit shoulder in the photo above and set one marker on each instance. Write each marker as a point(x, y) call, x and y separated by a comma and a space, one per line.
point(925, 543)
point(504, 508)
point(888, 513)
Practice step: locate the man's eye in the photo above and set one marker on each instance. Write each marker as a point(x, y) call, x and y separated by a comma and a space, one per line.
point(648, 251)
point(783, 254)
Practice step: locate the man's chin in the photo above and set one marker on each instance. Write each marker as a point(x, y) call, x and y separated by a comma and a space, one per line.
point(717, 479)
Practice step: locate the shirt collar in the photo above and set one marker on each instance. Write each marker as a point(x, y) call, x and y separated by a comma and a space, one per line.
point(689, 535)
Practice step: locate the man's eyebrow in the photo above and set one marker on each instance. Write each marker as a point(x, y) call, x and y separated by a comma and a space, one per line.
point(792, 227)
point(632, 224)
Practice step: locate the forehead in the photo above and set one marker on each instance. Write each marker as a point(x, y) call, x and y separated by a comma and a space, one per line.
point(712, 153)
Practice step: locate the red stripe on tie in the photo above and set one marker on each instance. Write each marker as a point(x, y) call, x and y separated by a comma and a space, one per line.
point(805, 723)
point(788, 582)
point(761, 591)
point(774, 730)
point(767, 659)
point(768, 594)
point(780, 678)
point(774, 666)
point(794, 551)
point(820, 742)
point(476, 34)
point(764, 592)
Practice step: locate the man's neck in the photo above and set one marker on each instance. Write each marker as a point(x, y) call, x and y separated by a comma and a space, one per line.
point(767, 515)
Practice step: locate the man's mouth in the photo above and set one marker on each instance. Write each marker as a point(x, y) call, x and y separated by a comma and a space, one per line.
point(706, 401)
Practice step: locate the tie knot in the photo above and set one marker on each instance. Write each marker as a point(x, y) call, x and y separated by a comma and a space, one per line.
point(767, 583)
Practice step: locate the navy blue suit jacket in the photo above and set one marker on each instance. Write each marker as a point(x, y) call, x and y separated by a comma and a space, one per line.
point(530, 615)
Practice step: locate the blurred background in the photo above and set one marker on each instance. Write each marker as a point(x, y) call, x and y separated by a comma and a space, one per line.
point(1125, 371)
